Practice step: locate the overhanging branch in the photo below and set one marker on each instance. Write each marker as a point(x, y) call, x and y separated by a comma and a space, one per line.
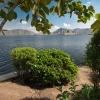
point(5, 20)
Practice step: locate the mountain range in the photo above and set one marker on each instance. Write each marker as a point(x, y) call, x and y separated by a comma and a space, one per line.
point(60, 31)
point(17, 32)
point(76, 31)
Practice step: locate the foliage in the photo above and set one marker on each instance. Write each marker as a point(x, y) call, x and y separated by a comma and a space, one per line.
point(53, 67)
point(89, 93)
point(92, 55)
point(21, 57)
point(41, 8)
point(86, 93)
point(48, 66)
point(96, 25)
point(65, 95)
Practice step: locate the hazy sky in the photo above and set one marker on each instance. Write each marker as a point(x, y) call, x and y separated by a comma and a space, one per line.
point(64, 22)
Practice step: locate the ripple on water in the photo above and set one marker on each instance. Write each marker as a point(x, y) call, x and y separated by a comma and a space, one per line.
point(74, 45)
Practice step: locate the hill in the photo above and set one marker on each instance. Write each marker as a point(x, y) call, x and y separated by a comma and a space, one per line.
point(76, 31)
point(60, 31)
point(17, 32)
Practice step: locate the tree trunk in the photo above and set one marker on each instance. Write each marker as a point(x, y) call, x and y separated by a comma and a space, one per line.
point(5, 20)
point(2, 24)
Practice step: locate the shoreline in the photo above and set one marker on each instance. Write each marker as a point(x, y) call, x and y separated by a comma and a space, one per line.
point(13, 74)
point(7, 76)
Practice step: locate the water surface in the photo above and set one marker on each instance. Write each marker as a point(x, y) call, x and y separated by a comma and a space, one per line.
point(73, 45)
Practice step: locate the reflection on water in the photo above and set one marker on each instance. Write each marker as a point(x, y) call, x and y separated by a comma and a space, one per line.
point(74, 45)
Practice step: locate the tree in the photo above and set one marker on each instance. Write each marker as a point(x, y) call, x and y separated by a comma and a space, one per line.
point(92, 57)
point(40, 10)
point(96, 25)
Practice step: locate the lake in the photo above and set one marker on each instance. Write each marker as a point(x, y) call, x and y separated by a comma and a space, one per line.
point(73, 45)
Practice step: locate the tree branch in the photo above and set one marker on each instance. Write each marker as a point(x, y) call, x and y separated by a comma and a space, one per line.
point(4, 1)
point(5, 20)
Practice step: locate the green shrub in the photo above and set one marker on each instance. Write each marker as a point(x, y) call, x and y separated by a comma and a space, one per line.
point(21, 57)
point(92, 55)
point(53, 67)
point(48, 66)
point(67, 94)
point(86, 93)
point(89, 93)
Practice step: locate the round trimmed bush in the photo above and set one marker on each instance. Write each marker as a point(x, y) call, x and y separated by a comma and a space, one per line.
point(21, 57)
point(53, 67)
point(47, 67)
